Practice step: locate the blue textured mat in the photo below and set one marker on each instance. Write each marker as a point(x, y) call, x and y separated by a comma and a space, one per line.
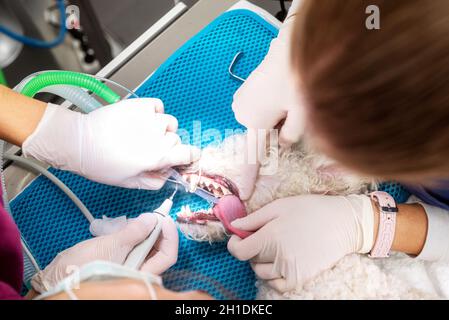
point(195, 85)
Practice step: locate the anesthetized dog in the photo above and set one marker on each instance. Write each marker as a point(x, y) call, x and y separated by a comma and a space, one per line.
point(223, 171)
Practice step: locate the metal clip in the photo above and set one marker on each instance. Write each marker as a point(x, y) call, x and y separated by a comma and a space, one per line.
point(231, 66)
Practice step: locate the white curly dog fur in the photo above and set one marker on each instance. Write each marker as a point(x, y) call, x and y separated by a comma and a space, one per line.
point(299, 170)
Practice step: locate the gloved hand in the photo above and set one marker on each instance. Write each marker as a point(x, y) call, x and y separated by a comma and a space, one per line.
point(299, 237)
point(270, 93)
point(114, 248)
point(124, 144)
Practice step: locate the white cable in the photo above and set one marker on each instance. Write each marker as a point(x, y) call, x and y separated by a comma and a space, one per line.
point(30, 256)
point(34, 166)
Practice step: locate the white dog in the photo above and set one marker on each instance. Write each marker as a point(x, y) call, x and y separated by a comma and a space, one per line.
point(298, 171)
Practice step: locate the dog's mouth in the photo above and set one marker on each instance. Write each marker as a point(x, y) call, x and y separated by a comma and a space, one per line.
point(217, 185)
point(228, 208)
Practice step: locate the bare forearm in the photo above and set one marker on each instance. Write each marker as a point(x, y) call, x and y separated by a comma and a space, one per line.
point(127, 289)
point(19, 115)
point(122, 289)
point(411, 228)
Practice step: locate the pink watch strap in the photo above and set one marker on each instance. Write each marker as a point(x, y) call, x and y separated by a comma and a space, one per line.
point(387, 224)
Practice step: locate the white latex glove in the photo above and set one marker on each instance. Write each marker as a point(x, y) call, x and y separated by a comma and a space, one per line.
point(270, 93)
point(299, 237)
point(123, 144)
point(114, 248)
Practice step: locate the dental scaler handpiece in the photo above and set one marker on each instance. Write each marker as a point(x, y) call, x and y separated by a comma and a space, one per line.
point(138, 255)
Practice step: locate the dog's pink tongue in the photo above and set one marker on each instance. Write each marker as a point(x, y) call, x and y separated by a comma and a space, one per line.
point(228, 209)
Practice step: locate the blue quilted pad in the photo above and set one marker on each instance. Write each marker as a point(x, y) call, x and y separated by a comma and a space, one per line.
point(195, 85)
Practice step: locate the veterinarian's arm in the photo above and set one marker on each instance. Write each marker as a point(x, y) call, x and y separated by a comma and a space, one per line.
point(19, 115)
point(411, 228)
point(296, 238)
point(127, 289)
point(423, 230)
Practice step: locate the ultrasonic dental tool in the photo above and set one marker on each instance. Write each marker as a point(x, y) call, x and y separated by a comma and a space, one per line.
point(138, 255)
point(192, 188)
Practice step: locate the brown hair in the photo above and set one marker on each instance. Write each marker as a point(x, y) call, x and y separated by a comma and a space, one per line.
point(378, 98)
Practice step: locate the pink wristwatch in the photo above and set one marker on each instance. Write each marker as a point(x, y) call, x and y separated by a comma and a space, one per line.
point(387, 224)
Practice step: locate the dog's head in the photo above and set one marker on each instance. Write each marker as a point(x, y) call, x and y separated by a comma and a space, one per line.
point(226, 170)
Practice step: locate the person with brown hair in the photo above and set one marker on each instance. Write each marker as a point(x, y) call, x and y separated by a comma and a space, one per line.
point(377, 101)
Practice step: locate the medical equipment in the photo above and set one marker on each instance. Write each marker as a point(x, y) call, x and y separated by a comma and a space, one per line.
point(73, 93)
point(9, 48)
point(32, 165)
point(69, 78)
point(231, 67)
point(2, 78)
point(177, 178)
point(41, 43)
point(137, 256)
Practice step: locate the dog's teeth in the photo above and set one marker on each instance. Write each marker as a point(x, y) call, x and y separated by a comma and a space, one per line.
point(216, 185)
point(205, 180)
point(193, 182)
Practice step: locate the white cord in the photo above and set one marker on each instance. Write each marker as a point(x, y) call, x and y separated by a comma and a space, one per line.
point(30, 256)
point(70, 293)
point(34, 166)
point(151, 291)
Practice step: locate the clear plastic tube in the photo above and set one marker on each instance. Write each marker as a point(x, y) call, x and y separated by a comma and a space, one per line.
point(22, 83)
point(39, 82)
point(75, 95)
